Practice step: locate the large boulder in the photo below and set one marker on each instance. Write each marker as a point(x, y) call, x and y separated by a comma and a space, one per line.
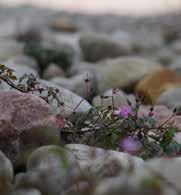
point(26, 123)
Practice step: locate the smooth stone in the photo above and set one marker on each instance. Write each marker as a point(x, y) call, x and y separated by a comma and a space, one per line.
point(53, 71)
point(9, 48)
point(22, 60)
point(99, 163)
point(71, 102)
point(50, 169)
point(122, 72)
point(6, 174)
point(25, 191)
point(78, 84)
point(117, 99)
point(170, 98)
point(25, 116)
point(96, 47)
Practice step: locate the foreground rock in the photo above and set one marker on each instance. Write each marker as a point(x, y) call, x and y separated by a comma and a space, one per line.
point(50, 169)
point(25, 191)
point(99, 164)
point(6, 174)
point(26, 123)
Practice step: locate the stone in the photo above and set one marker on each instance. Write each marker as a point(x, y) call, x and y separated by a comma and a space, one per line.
point(146, 39)
point(64, 24)
point(176, 65)
point(48, 51)
point(83, 84)
point(25, 116)
point(122, 72)
point(9, 48)
point(170, 98)
point(71, 102)
point(97, 163)
point(24, 191)
point(96, 47)
point(154, 84)
point(110, 98)
point(22, 60)
point(6, 174)
point(176, 46)
point(53, 71)
point(163, 172)
point(50, 169)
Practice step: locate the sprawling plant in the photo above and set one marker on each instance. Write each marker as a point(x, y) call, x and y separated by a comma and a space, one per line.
point(122, 129)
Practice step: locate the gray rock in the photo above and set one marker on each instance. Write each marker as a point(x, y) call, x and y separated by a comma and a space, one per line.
point(98, 163)
point(122, 72)
point(53, 71)
point(78, 84)
point(119, 98)
point(170, 98)
point(176, 46)
point(25, 191)
point(96, 47)
point(22, 60)
point(176, 65)
point(6, 174)
point(9, 48)
point(50, 169)
point(71, 102)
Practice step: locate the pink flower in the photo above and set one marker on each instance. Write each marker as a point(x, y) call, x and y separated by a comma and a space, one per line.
point(125, 111)
point(130, 144)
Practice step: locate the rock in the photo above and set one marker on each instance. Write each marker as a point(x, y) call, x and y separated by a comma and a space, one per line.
point(64, 24)
point(161, 113)
point(117, 186)
point(165, 56)
point(83, 84)
point(20, 70)
point(96, 47)
point(119, 98)
point(124, 38)
point(25, 191)
point(176, 46)
point(146, 39)
point(122, 72)
point(9, 48)
point(23, 61)
point(6, 174)
point(47, 52)
point(50, 169)
point(53, 71)
point(170, 98)
point(25, 116)
point(162, 173)
point(98, 164)
point(154, 84)
point(176, 65)
point(70, 102)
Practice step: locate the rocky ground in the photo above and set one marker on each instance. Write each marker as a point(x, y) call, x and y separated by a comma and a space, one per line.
point(85, 57)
